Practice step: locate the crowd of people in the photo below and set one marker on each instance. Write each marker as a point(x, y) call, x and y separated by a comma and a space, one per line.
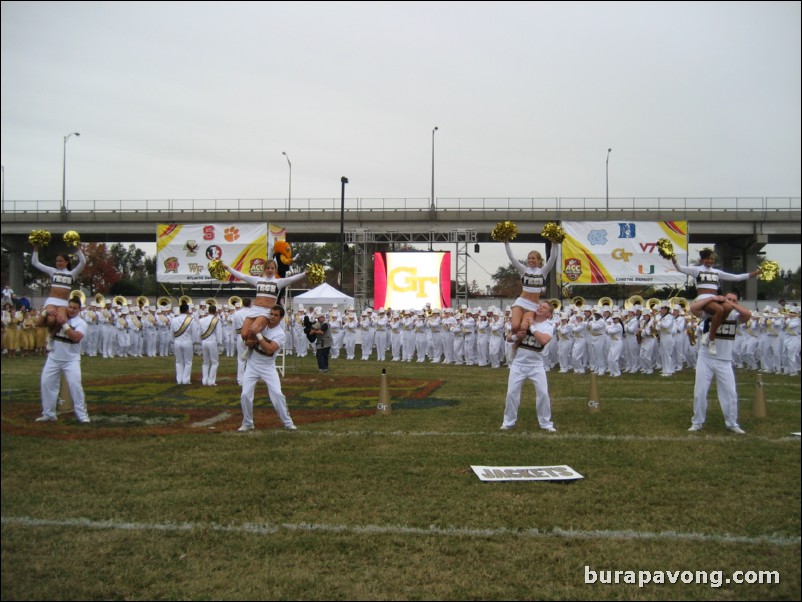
point(608, 340)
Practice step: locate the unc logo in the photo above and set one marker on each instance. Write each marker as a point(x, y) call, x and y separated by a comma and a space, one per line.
point(597, 237)
point(406, 280)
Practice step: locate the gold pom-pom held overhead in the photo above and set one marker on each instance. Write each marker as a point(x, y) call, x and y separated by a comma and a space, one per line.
point(72, 238)
point(769, 270)
point(553, 233)
point(217, 271)
point(39, 238)
point(665, 248)
point(504, 231)
point(315, 274)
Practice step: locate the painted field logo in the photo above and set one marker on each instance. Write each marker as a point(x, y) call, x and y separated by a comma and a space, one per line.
point(129, 406)
point(526, 473)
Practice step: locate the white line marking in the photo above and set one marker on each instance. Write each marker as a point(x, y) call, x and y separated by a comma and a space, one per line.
point(541, 436)
point(267, 529)
point(213, 420)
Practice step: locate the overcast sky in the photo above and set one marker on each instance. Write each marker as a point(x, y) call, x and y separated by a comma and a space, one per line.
point(198, 100)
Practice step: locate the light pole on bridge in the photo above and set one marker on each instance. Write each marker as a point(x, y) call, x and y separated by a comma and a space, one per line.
point(64, 173)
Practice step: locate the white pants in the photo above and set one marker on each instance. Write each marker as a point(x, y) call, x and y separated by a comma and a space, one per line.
point(183, 361)
point(518, 375)
point(211, 359)
point(708, 369)
point(254, 372)
point(51, 383)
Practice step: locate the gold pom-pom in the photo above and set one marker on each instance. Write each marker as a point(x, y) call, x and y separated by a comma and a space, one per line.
point(769, 270)
point(39, 238)
point(72, 238)
point(665, 248)
point(315, 274)
point(217, 271)
point(504, 231)
point(553, 232)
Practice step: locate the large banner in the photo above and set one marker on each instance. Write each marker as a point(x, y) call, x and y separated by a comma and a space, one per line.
point(183, 251)
point(410, 280)
point(622, 253)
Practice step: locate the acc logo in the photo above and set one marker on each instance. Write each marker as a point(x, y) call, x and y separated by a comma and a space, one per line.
point(191, 247)
point(572, 269)
point(257, 267)
point(231, 234)
point(213, 252)
point(597, 237)
point(171, 265)
point(413, 283)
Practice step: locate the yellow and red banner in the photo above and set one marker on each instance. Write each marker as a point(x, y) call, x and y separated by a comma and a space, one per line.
point(183, 251)
point(622, 253)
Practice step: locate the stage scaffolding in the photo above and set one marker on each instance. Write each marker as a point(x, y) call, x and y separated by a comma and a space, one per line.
point(364, 240)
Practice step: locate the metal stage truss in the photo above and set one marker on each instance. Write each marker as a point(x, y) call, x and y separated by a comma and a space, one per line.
point(363, 239)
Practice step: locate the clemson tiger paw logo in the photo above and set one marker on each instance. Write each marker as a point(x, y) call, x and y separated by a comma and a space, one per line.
point(231, 234)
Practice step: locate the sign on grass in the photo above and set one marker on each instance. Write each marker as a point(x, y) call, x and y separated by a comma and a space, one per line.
point(526, 473)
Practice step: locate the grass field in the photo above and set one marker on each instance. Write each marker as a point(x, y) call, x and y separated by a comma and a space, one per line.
point(160, 498)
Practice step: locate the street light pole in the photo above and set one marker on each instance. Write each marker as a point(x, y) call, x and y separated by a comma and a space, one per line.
point(607, 181)
point(343, 182)
point(64, 173)
point(289, 194)
point(432, 206)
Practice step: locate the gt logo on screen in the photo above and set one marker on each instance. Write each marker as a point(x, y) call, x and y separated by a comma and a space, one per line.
point(406, 280)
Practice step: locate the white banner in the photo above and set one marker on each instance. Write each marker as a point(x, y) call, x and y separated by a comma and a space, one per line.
point(526, 473)
point(183, 251)
point(622, 253)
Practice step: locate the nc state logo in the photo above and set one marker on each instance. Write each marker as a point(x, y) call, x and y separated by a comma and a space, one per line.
point(573, 269)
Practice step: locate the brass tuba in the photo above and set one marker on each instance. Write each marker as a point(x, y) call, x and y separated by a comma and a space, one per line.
point(578, 302)
point(120, 300)
point(235, 301)
point(556, 304)
point(163, 302)
point(653, 303)
point(185, 299)
point(633, 301)
point(100, 300)
point(605, 301)
point(142, 301)
point(210, 301)
point(80, 294)
point(681, 301)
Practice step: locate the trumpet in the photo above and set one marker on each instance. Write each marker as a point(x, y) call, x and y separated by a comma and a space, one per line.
point(80, 295)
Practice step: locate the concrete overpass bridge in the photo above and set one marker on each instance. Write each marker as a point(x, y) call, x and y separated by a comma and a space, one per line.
point(739, 227)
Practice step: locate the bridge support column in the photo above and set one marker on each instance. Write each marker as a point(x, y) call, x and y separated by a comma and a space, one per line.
point(740, 258)
point(16, 246)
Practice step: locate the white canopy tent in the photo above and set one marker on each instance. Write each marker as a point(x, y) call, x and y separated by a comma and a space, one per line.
point(324, 294)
